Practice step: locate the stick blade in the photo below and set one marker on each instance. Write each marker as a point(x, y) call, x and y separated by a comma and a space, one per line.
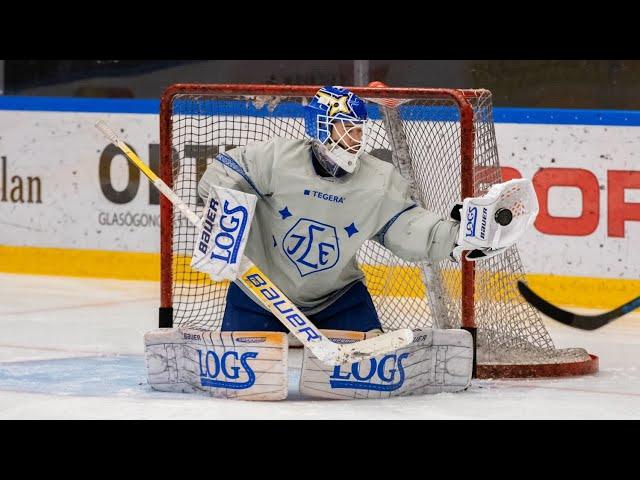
point(582, 322)
point(543, 306)
point(372, 347)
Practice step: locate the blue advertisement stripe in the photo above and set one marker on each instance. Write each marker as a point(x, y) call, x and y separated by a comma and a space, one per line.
point(236, 107)
point(546, 116)
point(64, 104)
point(555, 116)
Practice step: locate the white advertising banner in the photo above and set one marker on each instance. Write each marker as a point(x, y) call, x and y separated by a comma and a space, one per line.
point(588, 183)
point(63, 186)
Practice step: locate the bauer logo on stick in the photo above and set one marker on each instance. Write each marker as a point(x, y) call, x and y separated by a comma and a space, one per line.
point(222, 234)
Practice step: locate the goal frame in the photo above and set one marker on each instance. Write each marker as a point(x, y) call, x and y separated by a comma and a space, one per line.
point(461, 97)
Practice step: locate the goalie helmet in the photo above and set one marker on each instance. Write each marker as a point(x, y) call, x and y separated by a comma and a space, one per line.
point(336, 121)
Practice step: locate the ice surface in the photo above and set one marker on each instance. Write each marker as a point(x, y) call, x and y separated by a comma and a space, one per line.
point(72, 348)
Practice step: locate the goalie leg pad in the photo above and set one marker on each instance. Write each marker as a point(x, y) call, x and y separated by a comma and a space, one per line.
point(239, 365)
point(436, 361)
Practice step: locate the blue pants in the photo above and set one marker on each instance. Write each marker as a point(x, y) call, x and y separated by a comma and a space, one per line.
point(352, 311)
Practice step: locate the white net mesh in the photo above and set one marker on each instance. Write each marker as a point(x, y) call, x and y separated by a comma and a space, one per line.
point(422, 137)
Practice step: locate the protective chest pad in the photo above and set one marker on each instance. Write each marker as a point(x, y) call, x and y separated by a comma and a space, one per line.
point(240, 365)
point(437, 361)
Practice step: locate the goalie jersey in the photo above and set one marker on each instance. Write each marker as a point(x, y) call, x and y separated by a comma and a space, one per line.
point(308, 228)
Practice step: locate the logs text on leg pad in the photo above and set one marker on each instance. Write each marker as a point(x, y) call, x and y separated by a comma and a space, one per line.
point(381, 374)
point(284, 306)
point(211, 365)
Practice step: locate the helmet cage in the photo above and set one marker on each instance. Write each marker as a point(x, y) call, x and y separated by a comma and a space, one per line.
point(332, 106)
point(355, 145)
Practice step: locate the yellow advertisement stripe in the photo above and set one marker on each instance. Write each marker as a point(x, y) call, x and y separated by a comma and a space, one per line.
point(584, 292)
point(559, 289)
point(80, 263)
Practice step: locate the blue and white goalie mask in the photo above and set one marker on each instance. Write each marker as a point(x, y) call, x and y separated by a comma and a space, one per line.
point(336, 120)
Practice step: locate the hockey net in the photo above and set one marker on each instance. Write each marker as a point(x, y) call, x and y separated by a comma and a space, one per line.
point(443, 141)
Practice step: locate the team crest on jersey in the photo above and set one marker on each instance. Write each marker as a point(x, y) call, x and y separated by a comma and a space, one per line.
point(312, 246)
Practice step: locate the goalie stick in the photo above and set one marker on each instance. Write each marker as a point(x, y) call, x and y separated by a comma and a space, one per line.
point(257, 282)
point(583, 322)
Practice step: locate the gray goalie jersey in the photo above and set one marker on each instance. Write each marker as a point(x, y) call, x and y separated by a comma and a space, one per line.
point(307, 228)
